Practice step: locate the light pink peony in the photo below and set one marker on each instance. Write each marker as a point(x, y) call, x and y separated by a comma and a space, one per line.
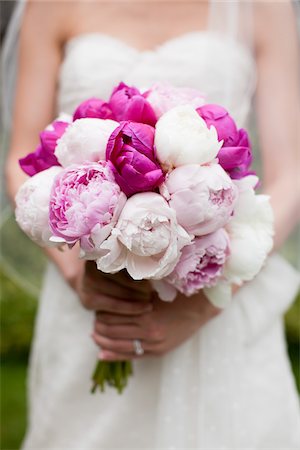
point(32, 211)
point(147, 239)
point(202, 196)
point(200, 266)
point(85, 205)
point(163, 97)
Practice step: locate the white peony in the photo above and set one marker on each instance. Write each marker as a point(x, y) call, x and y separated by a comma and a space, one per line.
point(84, 140)
point(250, 231)
point(251, 239)
point(32, 210)
point(182, 137)
point(147, 239)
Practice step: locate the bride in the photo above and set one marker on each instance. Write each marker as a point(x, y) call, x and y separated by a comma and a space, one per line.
point(208, 379)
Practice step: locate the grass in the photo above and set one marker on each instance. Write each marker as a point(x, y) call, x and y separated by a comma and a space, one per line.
point(13, 403)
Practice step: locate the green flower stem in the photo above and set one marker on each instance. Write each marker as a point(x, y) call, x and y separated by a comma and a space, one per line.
point(114, 374)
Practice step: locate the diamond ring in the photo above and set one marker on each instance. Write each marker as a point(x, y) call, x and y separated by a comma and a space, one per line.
point(138, 349)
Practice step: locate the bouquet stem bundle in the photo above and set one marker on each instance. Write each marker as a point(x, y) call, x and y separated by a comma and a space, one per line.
point(114, 374)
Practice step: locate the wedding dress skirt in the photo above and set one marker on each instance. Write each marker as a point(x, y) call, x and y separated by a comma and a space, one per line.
point(230, 386)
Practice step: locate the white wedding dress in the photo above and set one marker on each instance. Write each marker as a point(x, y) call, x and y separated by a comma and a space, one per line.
point(228, 387)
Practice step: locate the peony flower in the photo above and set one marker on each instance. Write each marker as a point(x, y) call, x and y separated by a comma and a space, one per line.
point(127, 103)
point(84, 140)
point(250, 232)
point(93, 107)
point(202, 196)
point(182, 137)
point(147, 239)
point(85, 205)
point(32, 210)
point(235, 155)
point(163, 97)
point(200, 265)
point(43, 157)
point(131, 151)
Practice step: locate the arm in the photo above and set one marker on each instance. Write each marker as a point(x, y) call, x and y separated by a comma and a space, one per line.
point(39, 59)
point(278, 111)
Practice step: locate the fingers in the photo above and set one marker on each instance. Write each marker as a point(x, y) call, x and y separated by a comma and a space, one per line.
point(122, 278)
point(124, 346)
point(115, 319)
point(143, 326)
point(118, 285)
point(114, 305)
point(116, 340)
point(119, 331)
point(123, 349)
point(110, 288)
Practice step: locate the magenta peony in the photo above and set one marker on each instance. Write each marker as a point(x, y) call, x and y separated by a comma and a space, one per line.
point(235, 154)
point(43, 157)
point(93, 107)
point(131, 151)
point(127, 103)
point(85, 205)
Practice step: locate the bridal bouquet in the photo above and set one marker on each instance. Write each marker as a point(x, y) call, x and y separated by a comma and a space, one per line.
point(157, 183)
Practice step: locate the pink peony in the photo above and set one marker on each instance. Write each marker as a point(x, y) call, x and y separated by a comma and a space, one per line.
point(147, 239)
point(163, 97)
point(235, 154)
point(127, 103)
point(200, 266)
point(85, 205)
point(43, 157)
point(202, 196)
point(93, 107)
point(131, 151)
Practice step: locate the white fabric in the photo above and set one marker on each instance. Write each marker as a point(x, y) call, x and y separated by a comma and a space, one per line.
point(228, 387)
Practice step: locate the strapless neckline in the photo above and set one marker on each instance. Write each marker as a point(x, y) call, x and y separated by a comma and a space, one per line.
point(216, 64)
point(117, 40)
point(186, 36)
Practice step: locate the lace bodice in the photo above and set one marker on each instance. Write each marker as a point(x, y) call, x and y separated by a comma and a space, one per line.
point(220, 67)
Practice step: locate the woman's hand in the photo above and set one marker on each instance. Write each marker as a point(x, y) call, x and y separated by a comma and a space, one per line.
point(165, 327)
point(117, 293)
point(127, 310)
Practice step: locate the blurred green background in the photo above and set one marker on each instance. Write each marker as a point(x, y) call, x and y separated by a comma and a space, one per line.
point(20, 277)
